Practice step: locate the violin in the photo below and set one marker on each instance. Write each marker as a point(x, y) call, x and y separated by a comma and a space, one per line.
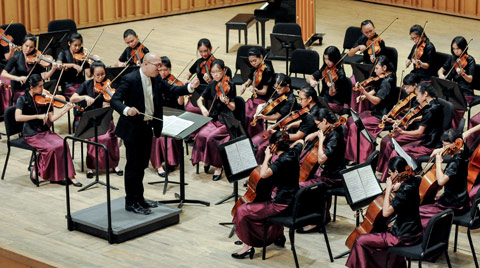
point(205, 65)
point(105, 89)
point(368, 81)
point(5, 85)
point(223, 87)
point(419, 53)
point(429, 185)
point(137, 54)
point(82, 55)
point(408, 117)
point(311, 159)
point(44, 60)
point(288, 119)
point(7, 40)
point(374, 220)
point(397, 109)
point(257, 77)
point(374, 46)
point(57, 101)
point(330, 75)
point(461, 62)
point(172, 80)
point(268, 107)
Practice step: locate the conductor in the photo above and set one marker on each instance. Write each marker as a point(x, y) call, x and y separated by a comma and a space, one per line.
point(138, 101)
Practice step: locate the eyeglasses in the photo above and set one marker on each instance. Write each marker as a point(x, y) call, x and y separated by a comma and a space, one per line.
point(216, 73)
point(99, 75)
point(278, 88)
point(301, 99)
point(158, 65)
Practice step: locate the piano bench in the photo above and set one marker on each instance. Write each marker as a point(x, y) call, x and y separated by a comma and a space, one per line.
point(241, 22)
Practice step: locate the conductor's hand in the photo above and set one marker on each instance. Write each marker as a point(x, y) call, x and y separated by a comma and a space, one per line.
point(132, 111)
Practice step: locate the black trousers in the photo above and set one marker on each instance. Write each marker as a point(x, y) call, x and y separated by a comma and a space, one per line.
point(138, 155)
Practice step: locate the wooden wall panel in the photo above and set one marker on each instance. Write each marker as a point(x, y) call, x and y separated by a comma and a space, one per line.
point(306, 17)
point(464, 8)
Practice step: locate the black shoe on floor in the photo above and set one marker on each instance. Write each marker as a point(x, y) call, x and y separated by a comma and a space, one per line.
point(161, 174)
point(89, 174)
point(137, 208)
point(148, 204)
point(249, 253)
point(119, 172)
point(76, 184)
point(280, 241)
point(32, 178)
point(217, 177)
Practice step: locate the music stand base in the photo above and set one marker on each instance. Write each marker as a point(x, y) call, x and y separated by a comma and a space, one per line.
point(233, 227)
point(313, 38)
point(342, 255)
point(183, 201)
point(225, 199)
point(95, 182)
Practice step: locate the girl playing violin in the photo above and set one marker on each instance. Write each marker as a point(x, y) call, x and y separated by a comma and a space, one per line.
point(383, 95)
point(74, 75)
point(157, 156)
point(134, 47)
point(369, 36)
point(422, 53)
point(6, 52)
point(419, 140)
point(453, 179)
point(370, 250)
point(205, 147)
point(262, 75)
point(462, 73)
point(282, 173)
point(20, 65)
point(36, 132)
point(95, 100)
point(308, 98)
point(337, 93)
point(282, 87)
point(331, 151)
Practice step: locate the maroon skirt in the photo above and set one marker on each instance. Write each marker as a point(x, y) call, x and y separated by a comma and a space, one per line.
point(430, 210)
point(157, 156)
point(110, 140)
point(336, 108)
point(205, 147)
point(366, 148)
point(475, 120)
point(68, 91)
point(249, 220)
point(51, 165)
point(458, 114)
point(193, 109)
point(250, 109)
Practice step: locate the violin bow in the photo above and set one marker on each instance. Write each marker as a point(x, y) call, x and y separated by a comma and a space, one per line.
point(206, 66)
point(90, 51)
point(255, 72)
point(211, 105)
point(143, 41)
point(378, 36)
point(421, 36)
point(461, 55)
point(54, 92)
point(176, 77)
point(8, 26)
point(36, 62)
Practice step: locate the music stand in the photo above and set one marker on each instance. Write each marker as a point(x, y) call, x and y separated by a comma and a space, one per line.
point(361, 71)
point(112, 72)
point(449, 91)
point(245, 67)
point(361, 129)
point(59, 42)
point(410, 161)
point(92, 124)
point(282, 44)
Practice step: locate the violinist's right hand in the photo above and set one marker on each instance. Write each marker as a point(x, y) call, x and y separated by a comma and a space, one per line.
point(362, 48)
point(313, 83)
point(89, 100)
point(132, 111)
point(21, 79)
point(204, 111)
point(244, 87)
point(390, 120)
point(389, 183)
point(407, 63)
point(441, 76)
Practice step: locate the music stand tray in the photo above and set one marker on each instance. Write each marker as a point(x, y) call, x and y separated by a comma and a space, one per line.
point(361, 71)
point(59, 42)
point(449, 90)
point(282, 44)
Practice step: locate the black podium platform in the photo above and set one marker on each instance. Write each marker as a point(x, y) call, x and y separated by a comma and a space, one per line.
point(125, 225)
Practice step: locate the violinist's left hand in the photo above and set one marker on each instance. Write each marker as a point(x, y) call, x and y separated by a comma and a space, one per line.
point(418, 63)
point(195, 83)
point(372, 58)
point(225, 99)
point(460, 71)
point(207, 78)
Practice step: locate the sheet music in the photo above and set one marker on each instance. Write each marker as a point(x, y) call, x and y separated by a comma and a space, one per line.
point(361, 183)
point(240, 156)
point(403, 154)
point(173, 125)
point(369, 181)
point(354, 186)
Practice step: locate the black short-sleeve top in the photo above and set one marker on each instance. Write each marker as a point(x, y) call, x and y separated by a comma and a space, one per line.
point(29, 107)
point(334, 149)
point(87, 89)
point(267, 79)
point(363, 41)
point(429, 53)
point(455, 190)
point(209, 95)
point(16, 65)
point(126, 54)
point(286, 171)
point(432, 120)
point(286, 106)
point(388, 93)
point(469, 69)
point(307, 125)
point(342, 86)
point(70, 76)
point(406, 206)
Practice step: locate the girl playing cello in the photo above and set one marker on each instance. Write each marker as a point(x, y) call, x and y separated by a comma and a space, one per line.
point(370, 250)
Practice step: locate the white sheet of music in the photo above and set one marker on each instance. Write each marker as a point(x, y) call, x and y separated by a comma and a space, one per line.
point(361, 183)
point(173, 125)
point(369, 181)
point(354, 186)
point(240, 156)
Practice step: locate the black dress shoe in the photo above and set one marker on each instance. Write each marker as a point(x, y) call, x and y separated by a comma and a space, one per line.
point(148, 204)
point(89, 174)
point(315, 229)
point(280, 241)
point(217, 177)
point(32, 178)
point(137, 208)
point(206, 169)
point(249, 253)
point(119, 172)
point(76, 184)
point(161, 174)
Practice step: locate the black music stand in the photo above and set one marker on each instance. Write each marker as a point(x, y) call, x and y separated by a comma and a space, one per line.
point(282, 44)
point(361, 188)
point(92, 124)
point(59, 42)
point(112, 72)
point(361, 129)
point(245, 68)
point(361, 71)
point(198, 122)
point(449, 91)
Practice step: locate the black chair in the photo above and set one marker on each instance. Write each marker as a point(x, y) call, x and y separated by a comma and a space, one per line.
point(302, 214)
point(17, 31)
point(392, 54)
point(471, 220)
point(475, 85)
point(434, 243)
point(340, 191)
point(13, 127)
point(352, 34)
point(438, 60)
point(60, 25)
point(303, 62)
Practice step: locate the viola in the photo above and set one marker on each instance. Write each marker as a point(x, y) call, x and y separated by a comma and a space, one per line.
point(374, 46)
point(397, 109)
point(172, 80)
point(82, 55)
point(429, 186)
point(7, 40)
point(461, 62)
point(288, 119)
point(368, 81)
point(205, 65)
point(57, 101)
point(137, 54)
point(374, 220)
point(406, 119)
point(105, 89)
point(268, 107)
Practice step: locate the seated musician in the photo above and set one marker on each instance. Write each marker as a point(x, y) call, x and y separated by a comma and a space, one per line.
point(370, 250)
point(6, 52)
point(133, 42)
point(383, 95)
point(36, 132)
point(282, 87)
point(86, 92)
point(369, 34)
point(260, 83)
point(422, 53)
point(157, 156)
point(453, 179)
point(422, 139)
point(283, 174)
point(336, 93)
point(205, 147)
point(460, 68)
point(331, 151)
point(299, 129)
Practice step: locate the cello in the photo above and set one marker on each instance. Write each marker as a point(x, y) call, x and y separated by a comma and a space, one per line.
point(473, 168)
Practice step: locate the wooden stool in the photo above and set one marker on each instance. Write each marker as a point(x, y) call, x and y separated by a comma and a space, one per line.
point(241, 22)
